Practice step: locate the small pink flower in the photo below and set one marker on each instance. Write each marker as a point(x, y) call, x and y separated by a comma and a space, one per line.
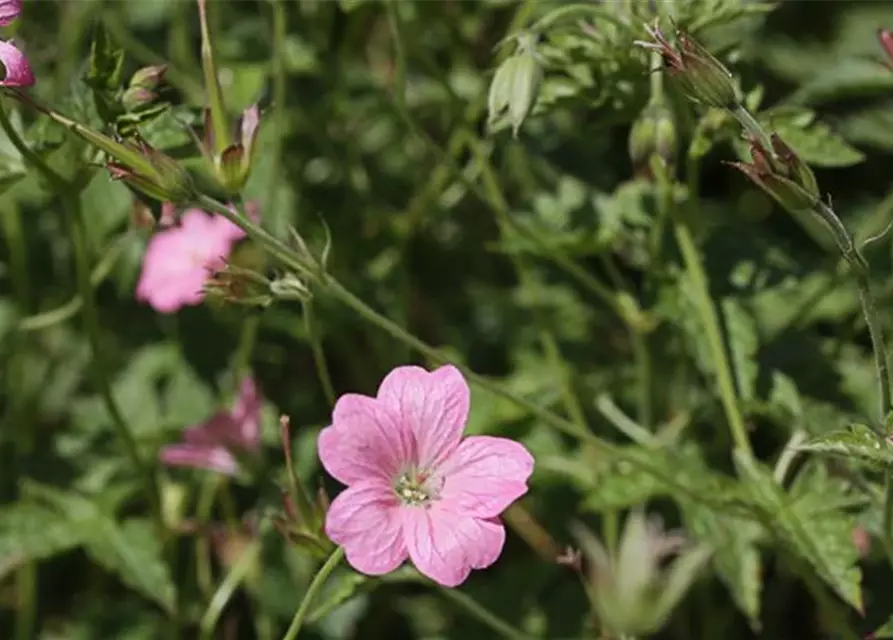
point(212, 445)
point(416, 489)
point(9, 11)
point(180, 259)
point(15, 68)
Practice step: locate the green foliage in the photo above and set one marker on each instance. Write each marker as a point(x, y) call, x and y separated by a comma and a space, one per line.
point(550, 262)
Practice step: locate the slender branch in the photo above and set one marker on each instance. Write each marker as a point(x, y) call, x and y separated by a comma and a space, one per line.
point(315, 585)
point(71, 206)
point(319, 355)
point(710, 321)
point(482, 615)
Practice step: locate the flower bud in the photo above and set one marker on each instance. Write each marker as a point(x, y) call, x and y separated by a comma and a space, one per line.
point(634, 590)
point(290, 287)
point(702, 77)
point(782, 174)
point(148, 77)
point(515, 85)
point(136, 97)
point(885, 37)
point(653, 133)
point(235, 285)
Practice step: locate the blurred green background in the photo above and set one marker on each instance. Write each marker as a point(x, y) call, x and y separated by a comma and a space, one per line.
point(413, 191)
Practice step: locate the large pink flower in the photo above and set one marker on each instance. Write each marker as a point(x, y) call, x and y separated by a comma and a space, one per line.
point(416, 489)
point(15, 69)
point(212, 444)
point(180, 259)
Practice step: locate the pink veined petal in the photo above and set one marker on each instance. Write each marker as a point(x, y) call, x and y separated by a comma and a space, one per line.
point(199, 457)
point(366, 440)
point(9, 11)
point(365, 520)
point(484, 475)
point(17, 71)
point(446, 547)
point(434, 405)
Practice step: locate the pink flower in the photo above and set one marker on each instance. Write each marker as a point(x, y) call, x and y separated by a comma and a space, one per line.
point(416, 489)
point(212, 445)
point(9, 11)
point(16, 71)
point(180, 259)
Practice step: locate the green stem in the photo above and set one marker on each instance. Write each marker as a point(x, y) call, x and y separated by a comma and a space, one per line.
point(26, 596)
point(315, 585)
point(227, 588)
point(469, 605)
point(247, 339)
point(71, 207)
point(399, 53)
point(752, 126)
point(710, 321)
point(319, 356)
point(289, 259)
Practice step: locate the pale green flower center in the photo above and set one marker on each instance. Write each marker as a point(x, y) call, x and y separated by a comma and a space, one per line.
point(416, 488)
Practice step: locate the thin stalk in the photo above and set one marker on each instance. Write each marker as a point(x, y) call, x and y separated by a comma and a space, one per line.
point(26, 601)
point(247, 339)
point(713, 335)
point(315, 585)
point(71, 206)
point(496, 624)
point(752, 126)
point(399, 53)
point(227, 588)
point(289, 259)
point(319, 356)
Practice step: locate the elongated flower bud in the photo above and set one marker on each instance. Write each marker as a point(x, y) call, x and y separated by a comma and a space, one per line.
point(515, 85)
point(702, 77)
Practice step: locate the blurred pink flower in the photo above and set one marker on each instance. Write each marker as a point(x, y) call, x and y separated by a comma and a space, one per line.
point(416, 489)
point(16, 71)
point(212, 444)
point(180, 259)
point(9, 11)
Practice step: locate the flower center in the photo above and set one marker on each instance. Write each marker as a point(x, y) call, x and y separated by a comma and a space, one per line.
point(416, 488)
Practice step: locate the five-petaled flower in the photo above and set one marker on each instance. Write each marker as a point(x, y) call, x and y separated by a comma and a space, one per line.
point(16, 70)
point(416, 489)
point(180, 259)
point(217, 443)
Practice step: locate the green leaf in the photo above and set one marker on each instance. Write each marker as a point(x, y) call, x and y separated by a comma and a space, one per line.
point(104, 75)
point(824, 542)
point(133, 552)
point(31, 532)
point(813, 141)
point(858, 442)
point(884, 631)
point(736, 558)
point(742, 337)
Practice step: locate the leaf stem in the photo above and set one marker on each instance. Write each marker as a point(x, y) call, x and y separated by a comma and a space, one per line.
point(71, 207)
point(482, 615)
point(227, 588)
point(319, 355)
point(315, 585)
point(709, 319)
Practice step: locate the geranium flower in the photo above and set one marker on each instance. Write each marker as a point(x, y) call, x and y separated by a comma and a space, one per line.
point(180, 259)
point(216, 443)
point(416, 489)
point(16, 71)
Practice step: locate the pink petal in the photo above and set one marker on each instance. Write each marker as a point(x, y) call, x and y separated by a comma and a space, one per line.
point(9, 11)
point(248, 126)
point(365, 520)
point(246, 414)
point(434, 405)
point(366, 440)
point(446, 547)
point(199, 457)
point(484, 475)
point(17, 70)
